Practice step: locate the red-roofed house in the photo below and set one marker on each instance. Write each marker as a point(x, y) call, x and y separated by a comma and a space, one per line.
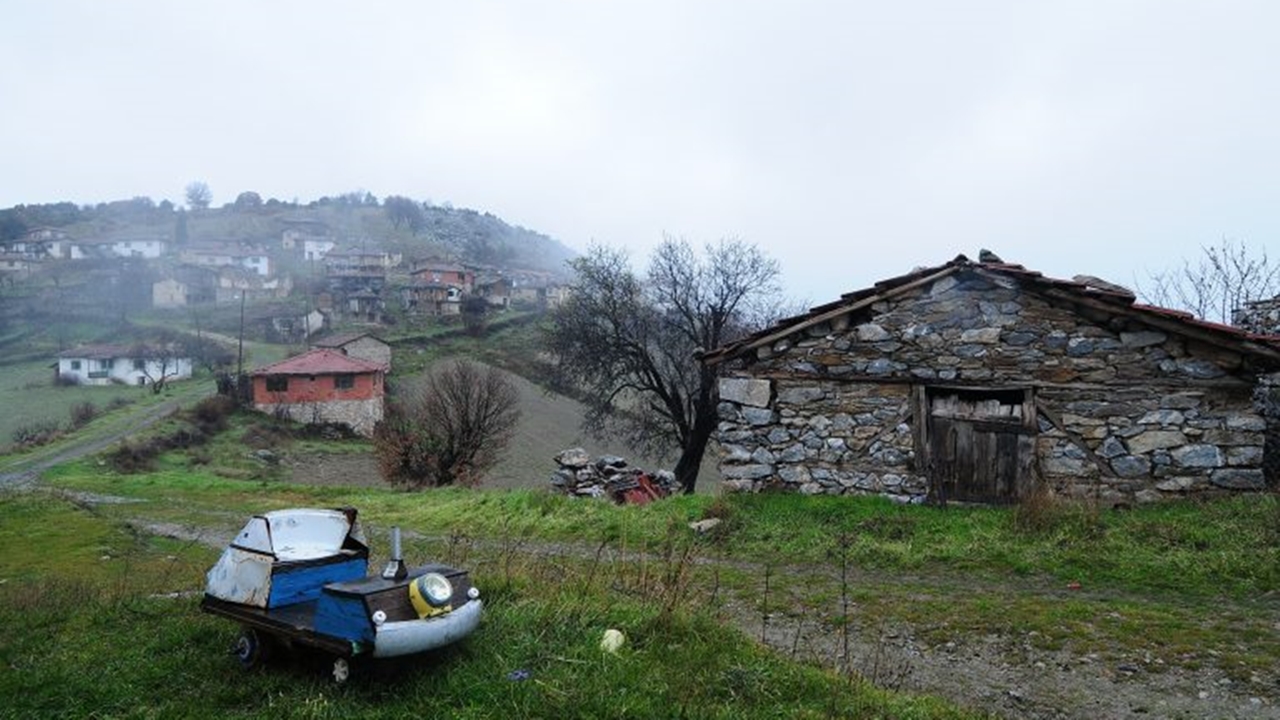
point(985, 381)
point(322, 386)
point(445, 274)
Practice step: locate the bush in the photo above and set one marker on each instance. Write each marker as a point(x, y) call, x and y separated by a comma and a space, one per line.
point(211, 413)
point(449, 430)
point(36, 433)
point(82, 413)
point(130, 457)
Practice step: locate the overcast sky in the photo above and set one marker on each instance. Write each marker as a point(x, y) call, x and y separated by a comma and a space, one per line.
point(851, 140)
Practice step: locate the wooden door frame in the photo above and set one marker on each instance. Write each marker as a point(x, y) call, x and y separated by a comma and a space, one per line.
point(921, 414)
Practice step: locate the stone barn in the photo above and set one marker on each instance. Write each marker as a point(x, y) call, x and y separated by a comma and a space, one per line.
point(978, 381)
point(322, 386)
point(361, 345)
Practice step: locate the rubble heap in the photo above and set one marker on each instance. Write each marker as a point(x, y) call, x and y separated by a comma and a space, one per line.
point(609, 477)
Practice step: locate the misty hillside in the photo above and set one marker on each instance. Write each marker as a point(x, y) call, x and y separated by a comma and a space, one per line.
point(398, 224)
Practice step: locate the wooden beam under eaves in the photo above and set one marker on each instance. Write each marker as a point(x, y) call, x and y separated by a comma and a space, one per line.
point(719, 357)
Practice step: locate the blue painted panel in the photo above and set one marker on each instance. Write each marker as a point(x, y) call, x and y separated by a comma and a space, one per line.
point(302, 582)
point(343, 617)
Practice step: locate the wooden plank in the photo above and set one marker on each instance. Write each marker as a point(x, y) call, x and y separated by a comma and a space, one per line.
point(1206, 335)
point(1026, 473)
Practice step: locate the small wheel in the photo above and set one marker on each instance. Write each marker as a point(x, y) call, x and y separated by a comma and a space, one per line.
point(251, 648)
point(341, 670)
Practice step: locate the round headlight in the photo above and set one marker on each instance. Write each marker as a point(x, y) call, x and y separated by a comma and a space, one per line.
point(436, 588)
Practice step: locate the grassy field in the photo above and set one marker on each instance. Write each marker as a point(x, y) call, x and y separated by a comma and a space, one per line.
point(29, 398)
point(1182, 585)
point(98, 594)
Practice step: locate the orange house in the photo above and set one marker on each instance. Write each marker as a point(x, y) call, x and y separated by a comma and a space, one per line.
point(322, 386)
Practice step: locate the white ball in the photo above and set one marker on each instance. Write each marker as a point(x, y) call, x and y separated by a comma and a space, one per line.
point(612, 641)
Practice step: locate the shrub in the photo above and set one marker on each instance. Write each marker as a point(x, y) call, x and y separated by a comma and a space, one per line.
point(449, 430)
point(211, 413)
point(36, 433)
point(130, 457)
point(82, 413)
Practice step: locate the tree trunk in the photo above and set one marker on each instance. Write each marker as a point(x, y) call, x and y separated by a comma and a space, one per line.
point(691, 455)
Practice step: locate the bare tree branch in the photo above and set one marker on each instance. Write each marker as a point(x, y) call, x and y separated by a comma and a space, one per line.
point(448, 430)
point(629, 345)
point(1222, 280)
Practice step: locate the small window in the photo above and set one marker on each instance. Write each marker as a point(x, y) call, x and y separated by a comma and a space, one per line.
point(277, 383)
point(142, 380)
point(344, 382)
point(139, 364)
point(105, 364)
point(75, 364)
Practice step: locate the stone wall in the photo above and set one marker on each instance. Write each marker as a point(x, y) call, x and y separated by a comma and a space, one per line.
point(359, 415)
point(1124, 413)
point(1259, 316)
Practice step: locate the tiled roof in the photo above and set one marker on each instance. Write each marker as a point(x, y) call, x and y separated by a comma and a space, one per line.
point(1082, 290)
point(335, 341)
point(443, 268)
point(96, 352)
point(108, 352)
point(319, 362)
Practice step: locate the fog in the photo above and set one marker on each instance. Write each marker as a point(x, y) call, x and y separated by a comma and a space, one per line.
point(852, 141)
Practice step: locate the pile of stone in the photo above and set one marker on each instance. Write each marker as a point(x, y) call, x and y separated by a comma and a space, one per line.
point(609, 477)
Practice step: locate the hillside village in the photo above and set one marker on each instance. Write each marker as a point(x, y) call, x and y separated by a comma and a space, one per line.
point(296, 270)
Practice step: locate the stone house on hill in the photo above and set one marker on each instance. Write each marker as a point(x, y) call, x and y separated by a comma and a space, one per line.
point(362, 346)
point(976, 381)
point(322, 386)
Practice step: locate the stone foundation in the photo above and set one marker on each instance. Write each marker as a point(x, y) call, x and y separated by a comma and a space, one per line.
point(360, 415)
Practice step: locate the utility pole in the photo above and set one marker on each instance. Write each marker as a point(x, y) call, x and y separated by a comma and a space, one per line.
point(240, 343)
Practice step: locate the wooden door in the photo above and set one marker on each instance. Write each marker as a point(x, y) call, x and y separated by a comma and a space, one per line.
point(980, 444)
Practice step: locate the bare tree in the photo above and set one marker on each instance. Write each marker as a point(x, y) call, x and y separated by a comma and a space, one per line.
point(448, 430)
point(198, 195)
point(629, 343)
point(1223, 280)
point(158, 361)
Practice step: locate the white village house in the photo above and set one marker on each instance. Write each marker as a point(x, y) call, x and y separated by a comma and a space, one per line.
point(126, 364)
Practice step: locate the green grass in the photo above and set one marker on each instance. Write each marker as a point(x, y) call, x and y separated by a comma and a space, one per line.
point(83, 640)
point(28, 396)
point(1197, 550)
